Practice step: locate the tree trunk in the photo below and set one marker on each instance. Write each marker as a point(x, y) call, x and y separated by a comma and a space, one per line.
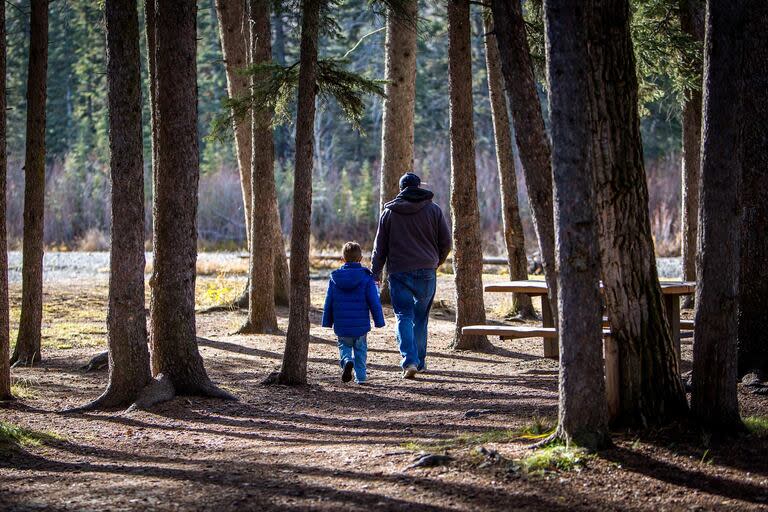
point(5, 335)
point(399, 105)
point(261, 303)
point(713, 399)
point(530, 134)
point(505, 161)
point(234, 36)
point(129, 369)
point(149, 29)
point(692, 23)
point(172, 309)
point(467, 239)
point(235, 41)
point(583, 414)
point(27, 349)
point(753, 285)
point(294, 367)
point(651, 390)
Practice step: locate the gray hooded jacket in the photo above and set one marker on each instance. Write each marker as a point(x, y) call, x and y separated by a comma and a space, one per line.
point(412, 235)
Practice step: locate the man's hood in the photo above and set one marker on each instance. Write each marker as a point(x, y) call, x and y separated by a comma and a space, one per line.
point(409, 201)
point(350, 276)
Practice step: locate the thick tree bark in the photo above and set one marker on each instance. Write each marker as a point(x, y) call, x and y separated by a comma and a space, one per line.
point(175, 355)
point(261, 303)
point(530, 134)
point(294, 367)
point(235, 41)
point(467, 239)
point(713, 399)
point(651, 388)
point(129, 369)
point(149, 30)
point(399, 105)
point(692, 23)
point(27, 349)
point(583, 414)
point(5, 335)
point(753, 284)
point(505, 161)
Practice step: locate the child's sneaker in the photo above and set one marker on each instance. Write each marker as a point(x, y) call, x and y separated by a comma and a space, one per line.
point(346, 375)
point(410, 372)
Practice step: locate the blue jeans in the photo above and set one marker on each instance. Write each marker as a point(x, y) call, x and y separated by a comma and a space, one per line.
point(412, 294)
point(355, 350)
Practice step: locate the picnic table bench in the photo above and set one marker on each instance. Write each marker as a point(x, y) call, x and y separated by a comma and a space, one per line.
point(671, 291)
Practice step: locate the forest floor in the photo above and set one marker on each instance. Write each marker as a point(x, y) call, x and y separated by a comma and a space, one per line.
point(335, 446)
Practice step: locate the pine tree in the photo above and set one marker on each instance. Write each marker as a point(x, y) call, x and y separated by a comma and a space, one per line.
point(467, 240)
point(176, 361)
point(5, 370)
point(753, 283)
point(27, 350)
point(294, 367)
point(261, 304)
point(651, 390)
point(129, 369)
point(505, 161)
point(714, 402)
point(583, 416)
point(530, 134)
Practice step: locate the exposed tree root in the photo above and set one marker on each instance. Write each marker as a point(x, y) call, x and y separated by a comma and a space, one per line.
point(271, 379)
point(110, 399)
point(25, 359)
point(590, 441)
point(97, 363)
point(7, 398)
point(161, 389)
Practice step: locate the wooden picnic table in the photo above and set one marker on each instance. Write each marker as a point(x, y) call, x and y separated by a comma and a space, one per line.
point(671, 290)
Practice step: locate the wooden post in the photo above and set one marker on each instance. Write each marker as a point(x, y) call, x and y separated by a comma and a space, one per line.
point(672, 305)
point(611, 357)
point(551, 350)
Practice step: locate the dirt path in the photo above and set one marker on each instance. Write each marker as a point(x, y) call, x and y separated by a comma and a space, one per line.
point(334, 446)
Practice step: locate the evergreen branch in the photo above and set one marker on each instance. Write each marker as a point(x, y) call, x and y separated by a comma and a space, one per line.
point(276, 88)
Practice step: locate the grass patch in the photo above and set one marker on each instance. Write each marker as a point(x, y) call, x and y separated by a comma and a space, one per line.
point(221, 290)
point(537, 428)
point(15, 436)
point(23, 389)
point(555, 458)
point(757, 425)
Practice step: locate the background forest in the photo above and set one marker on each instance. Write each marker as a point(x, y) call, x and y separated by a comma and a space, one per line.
point(346, 175)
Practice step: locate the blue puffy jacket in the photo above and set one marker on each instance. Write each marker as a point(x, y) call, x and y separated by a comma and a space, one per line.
point(351, 300)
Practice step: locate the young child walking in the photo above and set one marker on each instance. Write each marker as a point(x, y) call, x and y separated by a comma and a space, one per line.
point(351, 300)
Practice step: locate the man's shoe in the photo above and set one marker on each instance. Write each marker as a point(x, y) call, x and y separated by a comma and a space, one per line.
point(410, 372)
point(346, 375)
point(423, 368)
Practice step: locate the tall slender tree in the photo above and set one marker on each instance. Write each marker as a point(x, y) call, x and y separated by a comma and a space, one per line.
point(753, 285)
point(530, 134)
point(713, 399)
point(467, 240)
point(5, 341)
point(129, 369)
point(651, 389)
point(399, 103)
point(27, 350)
point(505, 161)
point(692, 23)
point(294, 367)
point(235, 42)
point(261, 304)
point(583, 415)
point(176, 360)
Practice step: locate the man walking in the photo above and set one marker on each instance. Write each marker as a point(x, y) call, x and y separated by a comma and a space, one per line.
point(413, 240)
